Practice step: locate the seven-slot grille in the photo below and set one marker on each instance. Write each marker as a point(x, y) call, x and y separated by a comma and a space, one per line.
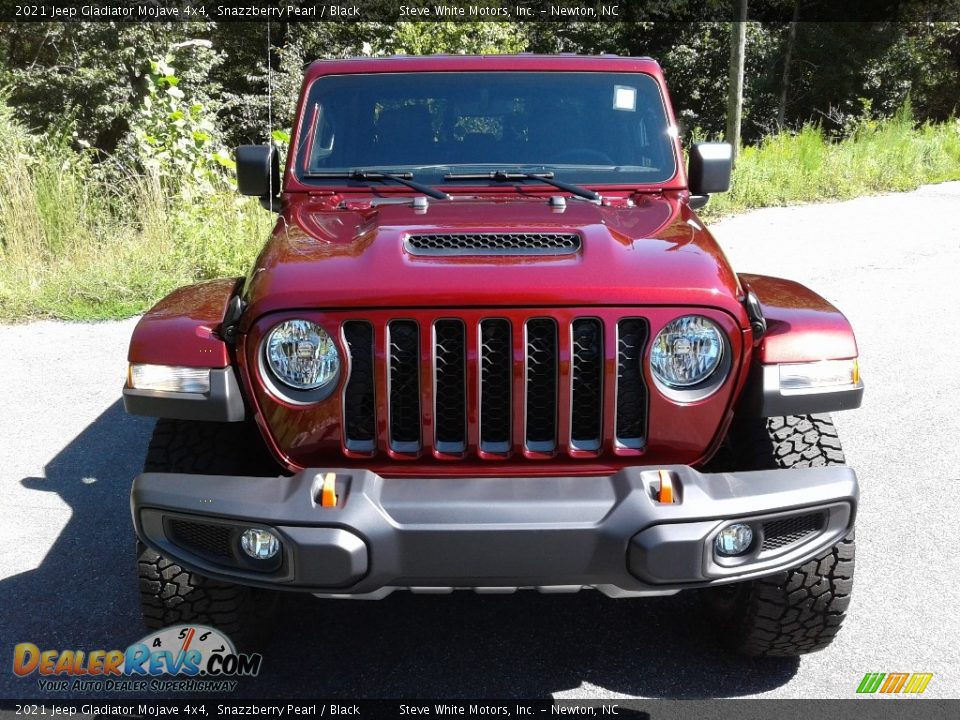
point(530, 386)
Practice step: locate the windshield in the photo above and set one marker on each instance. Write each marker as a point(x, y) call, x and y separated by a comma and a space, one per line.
point(584, 127)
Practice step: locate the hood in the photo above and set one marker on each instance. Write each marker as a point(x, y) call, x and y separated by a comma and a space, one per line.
point(328, 253)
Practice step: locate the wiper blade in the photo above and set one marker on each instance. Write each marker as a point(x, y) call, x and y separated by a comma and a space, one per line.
point(547, 177)
point(402, 178)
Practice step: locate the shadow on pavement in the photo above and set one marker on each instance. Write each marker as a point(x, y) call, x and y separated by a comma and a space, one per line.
point(83, 596)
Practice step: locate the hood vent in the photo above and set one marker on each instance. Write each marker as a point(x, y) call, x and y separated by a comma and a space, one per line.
point(493, 244)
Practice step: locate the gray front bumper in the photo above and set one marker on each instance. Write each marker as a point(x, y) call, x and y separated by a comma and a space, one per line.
point(435, 534)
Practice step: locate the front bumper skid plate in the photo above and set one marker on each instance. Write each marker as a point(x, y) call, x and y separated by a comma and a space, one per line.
point(485, 533)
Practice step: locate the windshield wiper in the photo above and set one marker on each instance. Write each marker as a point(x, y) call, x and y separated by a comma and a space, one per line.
point(547, 177)
point(402, 178)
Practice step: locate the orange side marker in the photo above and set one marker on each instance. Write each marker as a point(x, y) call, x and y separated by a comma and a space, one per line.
point(665, 493)
point(328, 493)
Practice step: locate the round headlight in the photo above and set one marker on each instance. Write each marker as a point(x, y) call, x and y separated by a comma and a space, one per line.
point(686, 351)
point(302, 354)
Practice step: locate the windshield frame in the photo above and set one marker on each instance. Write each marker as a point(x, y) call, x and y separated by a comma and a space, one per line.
point(298, 176)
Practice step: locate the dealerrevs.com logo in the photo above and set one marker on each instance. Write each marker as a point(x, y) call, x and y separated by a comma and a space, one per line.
point(204, 659)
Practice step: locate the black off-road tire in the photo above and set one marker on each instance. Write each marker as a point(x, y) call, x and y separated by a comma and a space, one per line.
point(800, 610)
point(173, 595)
point(208, 448)
point(169, 593)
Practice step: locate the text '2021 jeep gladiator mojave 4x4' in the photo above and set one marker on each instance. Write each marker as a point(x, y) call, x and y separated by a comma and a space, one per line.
point(491, 346)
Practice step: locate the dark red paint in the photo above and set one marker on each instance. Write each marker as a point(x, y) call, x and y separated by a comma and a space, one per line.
point(309, 436)
point(181, 328)
point(801, 325)
point(335, 254)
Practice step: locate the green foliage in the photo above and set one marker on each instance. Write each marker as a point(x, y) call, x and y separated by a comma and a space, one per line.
point(174, 138)
point(77, 244)
point(468, 38)
point(810, 166)
point(115, 181)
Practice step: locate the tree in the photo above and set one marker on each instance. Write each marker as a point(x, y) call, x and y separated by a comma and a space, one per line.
point(787, 57)
point(738, 41)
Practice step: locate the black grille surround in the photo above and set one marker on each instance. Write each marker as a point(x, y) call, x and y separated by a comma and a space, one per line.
point(778, 534)
point(527, 243)
point(450, 383)
point(359, 415)
point(496, 376)
point(531, 385)
point(631, 389)
point(404, 385)
point(217, 542)
point(541, 390)
point(586, 384)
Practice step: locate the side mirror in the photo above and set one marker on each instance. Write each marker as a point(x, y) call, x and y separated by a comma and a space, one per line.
point(710, 167)
point(258, 172)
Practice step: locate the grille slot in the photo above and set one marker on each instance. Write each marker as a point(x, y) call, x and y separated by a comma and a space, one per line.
point(586, 384)
point(404, 364)
point(778, 534)
point(205, 539)
point(450, 385)
point(493, 244)
point(496, 377)
point(541, 385)
point(359, 412)
point(631, 389)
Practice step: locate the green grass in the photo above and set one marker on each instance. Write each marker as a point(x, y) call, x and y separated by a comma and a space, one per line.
point(878, 156)
point(78, 246)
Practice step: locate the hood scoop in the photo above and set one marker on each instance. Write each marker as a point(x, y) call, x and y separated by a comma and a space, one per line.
point(523, 243)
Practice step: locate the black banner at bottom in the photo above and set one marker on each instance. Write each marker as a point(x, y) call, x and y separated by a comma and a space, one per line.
point(869, 709)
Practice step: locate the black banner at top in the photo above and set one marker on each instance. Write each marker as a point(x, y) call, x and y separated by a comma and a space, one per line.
point(563, 11)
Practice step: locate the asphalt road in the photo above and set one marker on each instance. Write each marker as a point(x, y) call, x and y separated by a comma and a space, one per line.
point(68, 452)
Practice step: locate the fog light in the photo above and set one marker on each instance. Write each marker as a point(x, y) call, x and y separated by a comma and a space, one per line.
point(259, 544)
point(734, 539)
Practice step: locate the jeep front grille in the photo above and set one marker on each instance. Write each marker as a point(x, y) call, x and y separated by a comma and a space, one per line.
point(495, 386)
point(493, 244)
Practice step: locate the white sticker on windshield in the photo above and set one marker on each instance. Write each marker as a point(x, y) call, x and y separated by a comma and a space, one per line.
point(624, 97)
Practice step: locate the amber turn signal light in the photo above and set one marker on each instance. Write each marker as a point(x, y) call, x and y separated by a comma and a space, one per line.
point(328, 493)
point(665, 492)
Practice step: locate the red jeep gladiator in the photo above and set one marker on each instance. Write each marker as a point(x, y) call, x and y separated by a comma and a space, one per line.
point(490, 346)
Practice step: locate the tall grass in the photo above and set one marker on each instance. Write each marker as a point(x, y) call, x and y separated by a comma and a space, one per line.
point(807, 166)
point(80, 243)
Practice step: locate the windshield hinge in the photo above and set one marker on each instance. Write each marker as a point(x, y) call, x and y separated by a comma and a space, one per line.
point(231, 321)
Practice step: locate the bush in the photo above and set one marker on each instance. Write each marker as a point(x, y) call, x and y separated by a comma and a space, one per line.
point(81, 241)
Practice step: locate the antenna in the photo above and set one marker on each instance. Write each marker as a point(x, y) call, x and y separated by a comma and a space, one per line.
point(270, 107)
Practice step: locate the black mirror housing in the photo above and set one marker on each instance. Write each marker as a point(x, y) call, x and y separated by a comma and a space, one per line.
point(710, 167)
point(258, 170)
